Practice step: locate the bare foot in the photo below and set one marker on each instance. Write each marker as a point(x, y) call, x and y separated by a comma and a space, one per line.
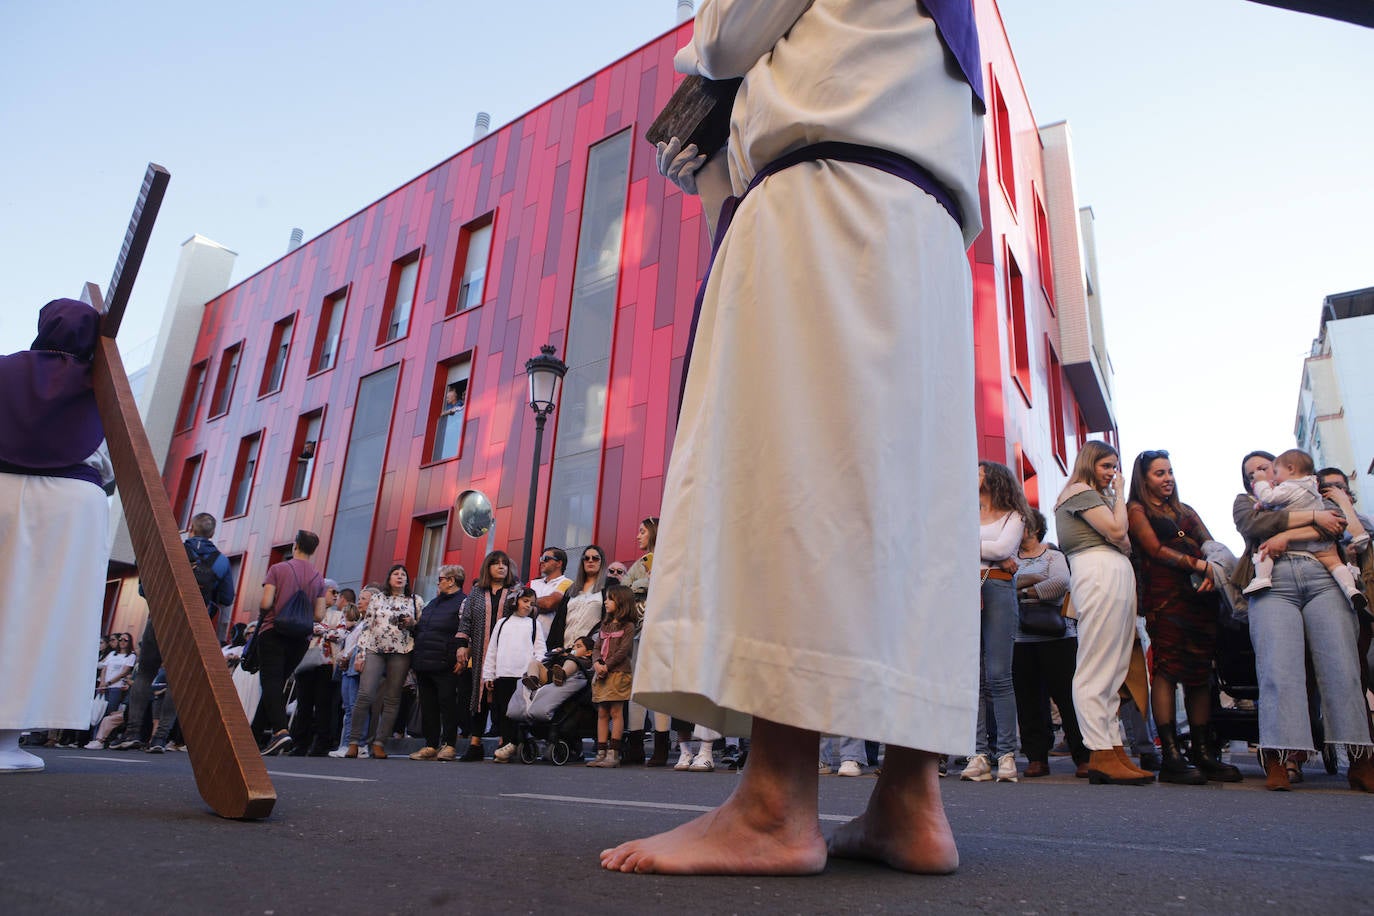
point(738, 838)
point(904, 826)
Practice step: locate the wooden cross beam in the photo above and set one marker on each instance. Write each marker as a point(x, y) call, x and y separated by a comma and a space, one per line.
point(228, 770)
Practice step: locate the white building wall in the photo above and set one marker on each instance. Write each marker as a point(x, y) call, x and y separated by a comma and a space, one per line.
point(202, 274)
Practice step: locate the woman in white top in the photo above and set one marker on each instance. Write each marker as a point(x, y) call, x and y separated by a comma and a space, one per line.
point(1002, 514)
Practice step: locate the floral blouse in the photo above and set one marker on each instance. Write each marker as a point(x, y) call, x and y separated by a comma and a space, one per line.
point(381, 633)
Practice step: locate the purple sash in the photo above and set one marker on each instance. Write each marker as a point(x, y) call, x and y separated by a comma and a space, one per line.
point(881, 159)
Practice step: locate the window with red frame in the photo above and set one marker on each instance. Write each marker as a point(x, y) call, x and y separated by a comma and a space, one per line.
point(326, 349)
point(225, 379)
point(274, 369)
point(241, 483)
point(470, 265)
point(1018, 327)
point(190, 398)
point(1030, 480)
point(186, 490)
point(1006, 159)
point(1056, 386)
point(450, 399)
point(400, 298)
point(303, 452)
point(1043, 251)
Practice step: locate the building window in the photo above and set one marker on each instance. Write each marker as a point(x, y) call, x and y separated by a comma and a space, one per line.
point(274, 369)
point(190, 398)
point(433, 539)
point(186, 490)
point(1043, 250)
point(1057, 433)
point(241, 483)
point(227, 614)
point(451, 395)
point(303, 449)
point(400, 297)
point(279, 554)
point(224, 381)
point(574, 480)
point(327, 335)
point(470, 264)
point(1030, 480)
point(1006, 162)
point(1017, 327)
point(1080, 424)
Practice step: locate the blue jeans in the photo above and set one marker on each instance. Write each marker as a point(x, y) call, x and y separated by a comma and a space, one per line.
point(849, 749)
point(348, 695)
point(1306, 608)
point(999, 622)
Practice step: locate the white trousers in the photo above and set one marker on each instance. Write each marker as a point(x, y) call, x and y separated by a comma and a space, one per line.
point(1104, 595)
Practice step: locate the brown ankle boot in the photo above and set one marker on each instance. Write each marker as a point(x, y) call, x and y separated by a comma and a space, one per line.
point(352, 751)
point(1361, 773)
point(1106, 768)
point(1275, 773)
point(1129, 764)
point(378, 752)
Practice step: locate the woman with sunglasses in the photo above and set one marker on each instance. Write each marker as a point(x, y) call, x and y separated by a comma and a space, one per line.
point(1179, 602)
point(579, 613)
point(1090, 518)
point(1303, 613)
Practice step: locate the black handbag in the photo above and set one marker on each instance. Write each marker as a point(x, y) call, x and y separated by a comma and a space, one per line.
point(1040, 618)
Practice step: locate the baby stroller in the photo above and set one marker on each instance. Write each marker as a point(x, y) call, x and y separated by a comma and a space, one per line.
point(1234, 673)
point(559, 716)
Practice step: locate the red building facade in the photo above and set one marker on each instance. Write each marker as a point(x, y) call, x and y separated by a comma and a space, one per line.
point(358, 385)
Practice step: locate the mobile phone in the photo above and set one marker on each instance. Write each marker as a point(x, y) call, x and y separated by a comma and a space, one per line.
point(1197, 579)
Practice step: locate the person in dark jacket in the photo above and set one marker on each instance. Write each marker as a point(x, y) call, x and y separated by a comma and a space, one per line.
point(434, 662)
point(218, 592)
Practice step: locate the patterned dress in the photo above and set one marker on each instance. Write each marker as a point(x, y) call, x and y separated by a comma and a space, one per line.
point(1181, 621)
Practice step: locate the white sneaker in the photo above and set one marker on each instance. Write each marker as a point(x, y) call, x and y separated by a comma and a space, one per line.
point(824, 769)
point(978, 769)
point(702, 763)
point(362, 752)
point(95, 745)
point(338, 752)
point(850, 768)
point(504, 753)
point(1257, 584)
point(1006, 768)
point(685, 761)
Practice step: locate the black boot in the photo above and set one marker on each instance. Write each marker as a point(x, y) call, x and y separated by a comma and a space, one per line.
point(632, 748)
point(1204, 755)
point(659, 758)
point(1174, 767)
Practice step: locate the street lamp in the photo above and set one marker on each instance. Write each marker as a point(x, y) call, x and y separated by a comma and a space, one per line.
point(545, 373)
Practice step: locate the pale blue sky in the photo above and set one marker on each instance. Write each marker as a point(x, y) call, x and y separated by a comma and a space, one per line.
point(1223, 146)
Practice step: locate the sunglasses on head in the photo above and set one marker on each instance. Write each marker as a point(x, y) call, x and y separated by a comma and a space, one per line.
point(1149, 456)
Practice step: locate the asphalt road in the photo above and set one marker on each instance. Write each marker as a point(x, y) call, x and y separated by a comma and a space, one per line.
point(104, 832)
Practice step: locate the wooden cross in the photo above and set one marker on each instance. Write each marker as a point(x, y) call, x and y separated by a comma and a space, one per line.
point(229, 772)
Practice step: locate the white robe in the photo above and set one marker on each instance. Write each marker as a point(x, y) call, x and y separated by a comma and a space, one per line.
point(817, 558)
point(54, 553)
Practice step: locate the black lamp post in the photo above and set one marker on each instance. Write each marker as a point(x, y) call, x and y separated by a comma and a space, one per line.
point(546, 373)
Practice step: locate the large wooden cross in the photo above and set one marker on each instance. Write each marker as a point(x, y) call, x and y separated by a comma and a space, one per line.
point(228, 770)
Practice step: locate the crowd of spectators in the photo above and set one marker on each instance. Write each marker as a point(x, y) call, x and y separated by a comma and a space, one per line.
point(1068, 631)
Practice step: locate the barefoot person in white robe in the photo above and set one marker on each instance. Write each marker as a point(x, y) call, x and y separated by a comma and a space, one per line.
point(828, 412)
point(54, 522)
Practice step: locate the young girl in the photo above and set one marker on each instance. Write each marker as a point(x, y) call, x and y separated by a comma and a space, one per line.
point(611, 686)
point(515, 642)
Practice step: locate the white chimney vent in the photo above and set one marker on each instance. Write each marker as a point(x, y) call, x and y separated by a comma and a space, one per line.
point(296, 236)
point(684, 10)
point(481, 127)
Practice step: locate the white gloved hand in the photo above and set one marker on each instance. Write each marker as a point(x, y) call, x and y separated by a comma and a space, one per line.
point(680, 165)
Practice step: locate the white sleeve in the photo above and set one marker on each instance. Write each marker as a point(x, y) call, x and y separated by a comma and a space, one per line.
point(489, 657)
point(731, 35)
point(1007, 540)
